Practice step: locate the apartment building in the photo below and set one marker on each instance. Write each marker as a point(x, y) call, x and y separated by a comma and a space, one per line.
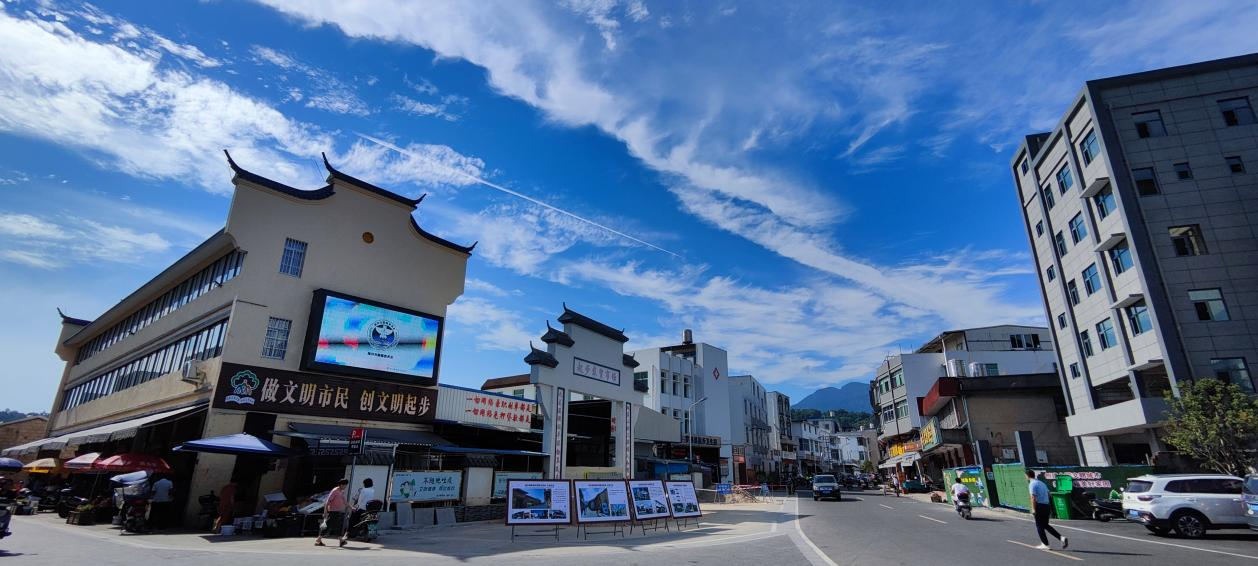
point(1141, 206)
point(749, 426)
point(902, 378)
point(782, 456)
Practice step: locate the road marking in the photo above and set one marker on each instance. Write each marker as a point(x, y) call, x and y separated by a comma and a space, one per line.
point(825, 559)
point(1053, 552)
point(933, 519)
point(887, 506)
point(1148, 541)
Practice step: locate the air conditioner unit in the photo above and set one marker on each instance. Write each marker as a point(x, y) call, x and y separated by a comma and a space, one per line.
point(976, 369)
point(192, 371)
point(956, 368)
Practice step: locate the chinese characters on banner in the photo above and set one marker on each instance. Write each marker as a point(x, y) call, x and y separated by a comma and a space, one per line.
point(426, 486)
point(586, 368)
point(494, 409)
point(278, 391)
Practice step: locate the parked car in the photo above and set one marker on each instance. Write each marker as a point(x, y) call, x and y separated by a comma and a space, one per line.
point(824, 485)
point(1250, 493)
point(1189, 504)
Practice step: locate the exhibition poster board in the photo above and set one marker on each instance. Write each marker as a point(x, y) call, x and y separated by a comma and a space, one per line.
point(650, 501)
point(682, 499)
point(601, 501)
point(539, 502)
point(426, 486)
point(501, 479)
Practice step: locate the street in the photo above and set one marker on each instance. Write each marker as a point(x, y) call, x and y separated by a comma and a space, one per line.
point(865, 528)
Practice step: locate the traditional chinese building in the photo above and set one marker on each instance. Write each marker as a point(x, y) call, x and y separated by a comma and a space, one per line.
point(310, 313)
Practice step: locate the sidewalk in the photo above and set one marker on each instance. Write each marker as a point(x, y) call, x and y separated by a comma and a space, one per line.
point(720, 524)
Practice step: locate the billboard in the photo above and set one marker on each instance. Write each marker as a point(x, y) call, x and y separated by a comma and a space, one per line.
point(649, 499)
point(539, 502)
point(349, 335)
point(426, 486)
point(601, 501)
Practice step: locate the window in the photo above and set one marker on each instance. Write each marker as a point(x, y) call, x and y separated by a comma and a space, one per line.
point(294, 257)
point(991, 369)
point(1026, 166)
point(901, 409)
point(676, 384)
point(1138, 317)
point(1120, 256)
point(1047, 195)
point(1105, 334)
point(1039, 228)
point(1146, 181)
point(1086, 344)
point(1061, 243)
point(1209, 304)
point(1061, 320)
point(1089, 147)
point(275, 345)
point(1091, 280)
point(1182, 171)
point(1187, 240)
point(517, 393)
point(897, 378)
point(1077, 230)
point(1064, 179)
point(1074, 370)
point(1235, 164)
point(884, 386)
point(888, 414)
point(1073, 291)
point(685, 380)
point(1233, 370)
point(1104, 203)
point(1051, 272)
point(1024, 341)
point(1149, 124)
point(1237, 111)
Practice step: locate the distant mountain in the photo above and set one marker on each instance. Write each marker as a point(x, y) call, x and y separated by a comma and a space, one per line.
point(852, 396)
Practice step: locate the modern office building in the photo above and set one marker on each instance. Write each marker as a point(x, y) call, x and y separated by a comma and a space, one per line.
point(902, 378)
point(1141, 206)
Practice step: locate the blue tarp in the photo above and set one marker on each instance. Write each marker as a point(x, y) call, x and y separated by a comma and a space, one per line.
point(239, 444)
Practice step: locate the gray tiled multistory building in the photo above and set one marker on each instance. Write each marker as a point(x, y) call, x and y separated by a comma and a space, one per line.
point(1142, 210)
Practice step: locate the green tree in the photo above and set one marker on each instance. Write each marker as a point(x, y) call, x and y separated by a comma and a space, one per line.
point(1215, 423)
point(868, 467)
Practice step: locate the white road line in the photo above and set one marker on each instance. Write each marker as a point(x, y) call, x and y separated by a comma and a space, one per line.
point(1053, 552)
point(855, 498)
point(887, 506)
point(821, 555)
point(933, 519)
point(1147, 541)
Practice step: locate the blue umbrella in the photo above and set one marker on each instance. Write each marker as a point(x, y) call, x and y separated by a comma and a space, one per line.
point(239, 444)
point(10, 465)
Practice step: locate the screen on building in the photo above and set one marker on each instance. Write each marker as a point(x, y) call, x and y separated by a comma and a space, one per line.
point(353, 336)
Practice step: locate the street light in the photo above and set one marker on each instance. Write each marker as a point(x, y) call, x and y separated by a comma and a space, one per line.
point(690, 437)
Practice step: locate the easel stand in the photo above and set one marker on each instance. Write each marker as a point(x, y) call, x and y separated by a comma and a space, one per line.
point(615, 528)
point(684, 521)
point(650, 525)
point(548, 532)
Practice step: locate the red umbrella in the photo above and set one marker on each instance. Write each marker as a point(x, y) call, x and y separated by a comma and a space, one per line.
point(132, 463)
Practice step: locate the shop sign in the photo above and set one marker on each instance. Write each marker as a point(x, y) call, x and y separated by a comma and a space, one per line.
point(426, 486)
point(468, 406)
point(252, 388)
point(930, 434)
point(788, 456)
point(701, 440)
point(901, 448)
point(586, 368)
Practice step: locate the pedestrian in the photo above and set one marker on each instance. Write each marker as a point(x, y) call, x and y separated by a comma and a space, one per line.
point(226, 505)
point(163, 503)
point(1040, 502)
point(333, 512)
point(361, 499)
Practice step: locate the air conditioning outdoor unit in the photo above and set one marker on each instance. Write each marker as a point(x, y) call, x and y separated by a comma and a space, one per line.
point(976, 369)
point(192, 371)
point(956, 368)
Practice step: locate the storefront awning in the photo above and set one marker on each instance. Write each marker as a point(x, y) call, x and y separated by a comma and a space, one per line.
point(34, 446)
point(373, 435)
point(120, 430)
point(239, 444)
point(891, 462)
point(497, 451)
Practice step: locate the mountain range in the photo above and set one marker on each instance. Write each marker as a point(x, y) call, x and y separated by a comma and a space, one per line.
point(852, 396)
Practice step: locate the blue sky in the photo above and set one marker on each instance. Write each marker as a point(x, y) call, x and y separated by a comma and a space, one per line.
point(829, 180)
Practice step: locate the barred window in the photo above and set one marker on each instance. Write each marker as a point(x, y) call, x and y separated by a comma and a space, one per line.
point(275, 345)
point(294, 257)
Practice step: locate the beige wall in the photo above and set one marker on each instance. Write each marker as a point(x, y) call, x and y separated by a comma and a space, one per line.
point(22, 431)
point(996, 416)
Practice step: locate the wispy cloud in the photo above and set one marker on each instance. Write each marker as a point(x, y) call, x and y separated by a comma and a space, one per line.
point(327, 92)
point(50, 243)
point(494, 327)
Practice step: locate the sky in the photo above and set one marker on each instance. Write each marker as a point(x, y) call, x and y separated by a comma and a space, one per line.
point(810, 186)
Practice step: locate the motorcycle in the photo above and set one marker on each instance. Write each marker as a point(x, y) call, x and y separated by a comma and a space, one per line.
point(365, 525)
point(67, 502)
point(962, 505)
point(1104, 510)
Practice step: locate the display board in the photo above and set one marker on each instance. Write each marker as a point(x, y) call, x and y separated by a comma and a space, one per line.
point(682, 499)
point(650, 501)
point(353, 336)
point(501, 479)
point(539, 502)
point(601, 501)
point(426, 486)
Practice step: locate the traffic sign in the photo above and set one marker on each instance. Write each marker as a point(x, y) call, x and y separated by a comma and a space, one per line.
point(357, 438)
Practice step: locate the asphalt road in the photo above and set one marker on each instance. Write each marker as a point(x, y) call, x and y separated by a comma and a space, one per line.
point(872, 529)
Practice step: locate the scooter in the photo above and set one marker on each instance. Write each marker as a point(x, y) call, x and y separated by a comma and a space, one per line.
point(365, 525)
point(962, 504)
point(1104, 510)
point(67, 502)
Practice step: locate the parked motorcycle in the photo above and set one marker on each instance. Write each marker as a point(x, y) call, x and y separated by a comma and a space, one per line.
point(1105, 510)
point(962, 504)
point(67, 501)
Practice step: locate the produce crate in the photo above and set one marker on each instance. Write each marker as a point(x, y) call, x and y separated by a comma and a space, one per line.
point(83, 518)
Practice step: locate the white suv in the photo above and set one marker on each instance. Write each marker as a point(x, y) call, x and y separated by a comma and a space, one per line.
point(1190, 504)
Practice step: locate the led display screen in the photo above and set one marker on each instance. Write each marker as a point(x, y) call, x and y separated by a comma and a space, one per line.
point(353, 336)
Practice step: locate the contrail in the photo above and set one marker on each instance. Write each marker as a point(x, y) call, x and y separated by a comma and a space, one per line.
point(501, 188)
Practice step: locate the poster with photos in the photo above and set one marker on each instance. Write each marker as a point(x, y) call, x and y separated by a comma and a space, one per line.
point(650, 501)
point(539, 502)
point(601, 501)
point(682, 499)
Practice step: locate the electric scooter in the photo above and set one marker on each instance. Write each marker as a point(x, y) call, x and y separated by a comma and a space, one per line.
point(962, 504)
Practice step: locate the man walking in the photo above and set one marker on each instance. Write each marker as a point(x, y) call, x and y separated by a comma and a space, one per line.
point(160, 514)
point(1039, 500)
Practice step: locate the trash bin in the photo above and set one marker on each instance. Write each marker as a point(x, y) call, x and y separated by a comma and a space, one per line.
point(1061, 504)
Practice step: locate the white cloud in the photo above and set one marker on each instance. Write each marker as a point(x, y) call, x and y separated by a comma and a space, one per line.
point(48, 243)
point(481, 286)
point(327, 92)
point(494, 327)
point(418, 108)
point(27, 226)
point(425, 165)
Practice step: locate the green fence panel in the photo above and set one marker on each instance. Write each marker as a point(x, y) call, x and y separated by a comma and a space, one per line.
point(1101, 480)
point(1011, 486)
